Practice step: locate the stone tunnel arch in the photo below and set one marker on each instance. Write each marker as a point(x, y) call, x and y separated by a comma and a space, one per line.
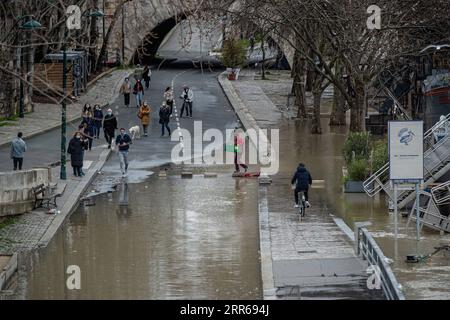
point(158, 16)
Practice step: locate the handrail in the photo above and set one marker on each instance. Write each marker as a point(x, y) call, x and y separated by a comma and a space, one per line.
point(369, 250)
point(438, 192)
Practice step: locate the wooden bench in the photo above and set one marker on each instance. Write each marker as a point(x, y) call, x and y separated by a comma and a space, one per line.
point(42, 197)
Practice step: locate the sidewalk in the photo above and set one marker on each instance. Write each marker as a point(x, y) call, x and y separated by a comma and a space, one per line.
point(36, 229)
point(313, 258)
point(48, 116)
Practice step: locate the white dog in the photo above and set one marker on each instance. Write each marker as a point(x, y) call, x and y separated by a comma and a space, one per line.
point(135, 132)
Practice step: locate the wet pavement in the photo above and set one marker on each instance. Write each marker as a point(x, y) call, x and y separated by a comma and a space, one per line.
point(165, 238)
point(323, 156)
point(159, 238)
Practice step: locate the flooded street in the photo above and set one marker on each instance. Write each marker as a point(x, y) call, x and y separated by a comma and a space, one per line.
point(164, 238)
point(322, 154)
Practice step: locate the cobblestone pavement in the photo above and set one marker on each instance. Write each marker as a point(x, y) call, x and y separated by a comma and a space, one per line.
point(27, 230)
point(48, 116)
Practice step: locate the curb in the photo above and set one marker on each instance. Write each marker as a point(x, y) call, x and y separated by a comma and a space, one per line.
point(69, 120)
point(247, 120)
point(7, 272)
point(72, 203)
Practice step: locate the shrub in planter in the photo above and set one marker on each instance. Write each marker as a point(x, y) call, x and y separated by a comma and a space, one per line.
point(357, 170)
point(357, 146)
point(380, 154)
point(234, 53)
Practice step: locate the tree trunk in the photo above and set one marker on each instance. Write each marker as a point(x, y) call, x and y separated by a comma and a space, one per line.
point(316, 127)
point(263, 67)
point(298, 73)
point(114, 19)
point(357, 112)
point(337, 117)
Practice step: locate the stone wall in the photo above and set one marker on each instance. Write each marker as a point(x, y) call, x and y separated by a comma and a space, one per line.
point(142, 16)
point(16, 194)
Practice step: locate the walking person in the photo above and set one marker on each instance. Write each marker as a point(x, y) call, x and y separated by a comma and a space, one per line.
point(238, 142)
point(144, 115)
point(302, 179)
point(109, 127)
point(125, 89)
point(76, 150)
point(168, 96)
point(18, 148)
point(89, 129)
point(98, 120)
point(123, 142)
point(164, 118)
point(188, 98)
point(138, 91)
point(146, 75)
point(86, 110)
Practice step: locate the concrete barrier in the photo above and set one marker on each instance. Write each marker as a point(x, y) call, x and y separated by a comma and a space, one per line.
point(16, 194)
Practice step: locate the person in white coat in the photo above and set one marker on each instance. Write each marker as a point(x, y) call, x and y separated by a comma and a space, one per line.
point(188, 98)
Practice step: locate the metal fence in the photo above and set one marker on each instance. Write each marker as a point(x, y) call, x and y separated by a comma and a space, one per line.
point(368, 249)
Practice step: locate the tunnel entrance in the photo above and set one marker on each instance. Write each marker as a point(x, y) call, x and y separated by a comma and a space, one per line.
point(146, 52)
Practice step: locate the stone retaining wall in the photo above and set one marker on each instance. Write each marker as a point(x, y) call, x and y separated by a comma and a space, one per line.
point(16, 194)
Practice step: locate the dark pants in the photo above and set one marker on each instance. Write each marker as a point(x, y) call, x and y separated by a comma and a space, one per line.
point(145, 127)
point(17, 163)
point(77, 171)
point(109, 135)
point(90, 141)
point(188, 106)
point(237, 163)
point(165, 125)
point(147, 82)
point(305, 191)
point(126, 97)
point(97, 127)
point(170, 104)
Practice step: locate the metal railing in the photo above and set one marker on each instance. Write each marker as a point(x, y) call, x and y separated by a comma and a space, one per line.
point(429, 214)
point(441, 193)
point(368, 249)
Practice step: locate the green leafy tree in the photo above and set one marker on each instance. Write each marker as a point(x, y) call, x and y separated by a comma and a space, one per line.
point(234, 53)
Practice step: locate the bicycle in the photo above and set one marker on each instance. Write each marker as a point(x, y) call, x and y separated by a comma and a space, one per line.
point(302, 205)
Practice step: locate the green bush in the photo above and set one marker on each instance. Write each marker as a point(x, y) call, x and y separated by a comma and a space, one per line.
point(380, 154)
point(357, 146)
point(357, 170)
point(234, 53)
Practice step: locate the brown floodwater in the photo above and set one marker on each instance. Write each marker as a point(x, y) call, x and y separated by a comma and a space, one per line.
point(322, 155)
point(164, 238)
point(178, 238)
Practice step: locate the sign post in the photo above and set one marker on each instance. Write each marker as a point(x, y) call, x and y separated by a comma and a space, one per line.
point(405, 161)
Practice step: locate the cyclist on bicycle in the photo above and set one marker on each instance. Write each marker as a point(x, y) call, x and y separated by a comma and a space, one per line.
point(303, 180)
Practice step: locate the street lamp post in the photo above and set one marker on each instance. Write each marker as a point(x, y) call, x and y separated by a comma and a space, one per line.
point(105, 57)
point(26, 26)
point(63, 173)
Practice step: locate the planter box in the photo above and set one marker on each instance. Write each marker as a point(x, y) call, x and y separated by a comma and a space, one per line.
point(354, 187)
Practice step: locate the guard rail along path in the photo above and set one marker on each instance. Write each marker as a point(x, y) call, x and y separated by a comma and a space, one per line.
point(368, 249)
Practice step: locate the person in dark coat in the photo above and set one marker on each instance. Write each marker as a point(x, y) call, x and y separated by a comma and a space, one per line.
point(302, 179)
point(76, 150)
point(98, 120)
point(164, 118)
point(138, 91)
point(146, 74)
point(89, 129)
point(109, 127)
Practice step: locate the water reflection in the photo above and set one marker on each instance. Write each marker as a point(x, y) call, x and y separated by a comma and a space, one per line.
point(176, 238)
point(323, 157)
